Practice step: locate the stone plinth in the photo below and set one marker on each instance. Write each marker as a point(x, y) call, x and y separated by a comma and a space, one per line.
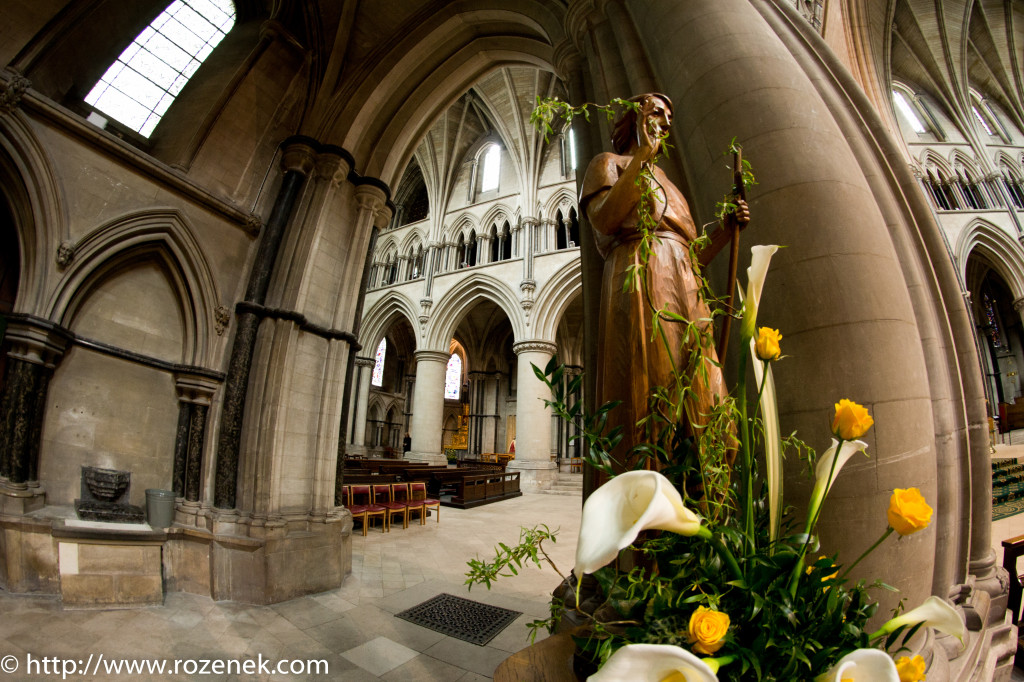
point(109, 565)
point(287, 562)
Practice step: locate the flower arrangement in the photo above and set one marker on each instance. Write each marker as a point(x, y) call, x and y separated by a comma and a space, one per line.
point(685, 575)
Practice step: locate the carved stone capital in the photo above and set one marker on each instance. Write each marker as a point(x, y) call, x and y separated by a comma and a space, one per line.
point(534, 346)
point(12, 92)
point(299, 157)
point(365, 362)
point(370, 198)
point(332, 168)
point(195, 388)
point(36, 340)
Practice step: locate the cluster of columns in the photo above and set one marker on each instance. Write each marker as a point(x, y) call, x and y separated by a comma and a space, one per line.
point(533, 418)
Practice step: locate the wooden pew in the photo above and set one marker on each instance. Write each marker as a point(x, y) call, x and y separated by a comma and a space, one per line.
point(475, 490)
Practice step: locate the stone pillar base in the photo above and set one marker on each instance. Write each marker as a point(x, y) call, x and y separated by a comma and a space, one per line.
point(276, 567)
point(431, 458)
point(534, 476)
point(20, 500)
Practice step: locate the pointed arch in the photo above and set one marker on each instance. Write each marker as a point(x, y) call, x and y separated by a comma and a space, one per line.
point(1002, 251)
point(166, 234)
point(29, 185)
point(457, 301)
point(379, 318)
point(499, 213)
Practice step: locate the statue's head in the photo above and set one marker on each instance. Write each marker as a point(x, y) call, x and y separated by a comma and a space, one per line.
point(624, 134)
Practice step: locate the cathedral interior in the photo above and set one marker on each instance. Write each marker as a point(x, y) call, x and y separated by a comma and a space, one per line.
point(244, 240)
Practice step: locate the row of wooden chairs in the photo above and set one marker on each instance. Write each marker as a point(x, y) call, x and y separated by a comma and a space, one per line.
point(386, 500)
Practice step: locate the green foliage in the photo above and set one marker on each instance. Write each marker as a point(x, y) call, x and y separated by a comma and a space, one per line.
point(511, 559)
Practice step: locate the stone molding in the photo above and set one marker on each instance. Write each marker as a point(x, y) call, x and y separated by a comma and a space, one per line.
point(37, 340)
point(365, 362)
point(432, 356)
point(300, 320)
point(534, 346)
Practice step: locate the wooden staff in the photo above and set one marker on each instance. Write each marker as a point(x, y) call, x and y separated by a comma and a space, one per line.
point(734, 251)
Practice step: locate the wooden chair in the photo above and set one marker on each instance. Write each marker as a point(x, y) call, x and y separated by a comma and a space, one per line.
point(576, 465)
point(382, 497)
point(1013, 549)
point(357, 512)
point(362, 501)
point(400, 493)
point(418, 492)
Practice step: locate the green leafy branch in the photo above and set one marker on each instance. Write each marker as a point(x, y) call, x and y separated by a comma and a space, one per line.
point(511, 559)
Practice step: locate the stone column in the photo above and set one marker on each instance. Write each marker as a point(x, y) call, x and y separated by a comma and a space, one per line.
point(365, 373)
point(533, 419)
point(428, 399)
point(297, 161)
point(195, 394)
point(37, 346)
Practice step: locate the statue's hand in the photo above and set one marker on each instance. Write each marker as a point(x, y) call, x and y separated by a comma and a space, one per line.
point(742, 214)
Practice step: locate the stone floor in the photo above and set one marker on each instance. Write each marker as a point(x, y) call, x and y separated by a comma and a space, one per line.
point(352, 628)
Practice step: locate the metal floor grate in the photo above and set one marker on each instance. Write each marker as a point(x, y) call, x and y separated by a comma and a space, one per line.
point(461, 618)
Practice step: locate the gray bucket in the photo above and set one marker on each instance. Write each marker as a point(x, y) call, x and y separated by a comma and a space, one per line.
point(159, 507)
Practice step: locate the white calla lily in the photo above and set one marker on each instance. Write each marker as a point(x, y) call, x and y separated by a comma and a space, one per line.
point(772, 442)
point(653, 663)
point(863, 665)
point(760, 257)
point(826, 471)
point(934, 613)
point(615, 513)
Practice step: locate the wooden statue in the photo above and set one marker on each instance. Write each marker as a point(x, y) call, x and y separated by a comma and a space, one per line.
point(631, 362)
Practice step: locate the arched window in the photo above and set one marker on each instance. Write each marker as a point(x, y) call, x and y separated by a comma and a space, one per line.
point(506, 242)
point(491, 173)
point(453, 377)
point(139, 87)
point(1014, 187)
point(910, 115)
point(377, 378)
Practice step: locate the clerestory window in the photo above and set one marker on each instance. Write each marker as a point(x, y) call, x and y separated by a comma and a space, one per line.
point(140, 86)
point(491, 169)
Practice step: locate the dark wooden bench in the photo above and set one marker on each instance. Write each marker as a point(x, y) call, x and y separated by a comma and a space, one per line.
point(475, 490)
point(1013, 549)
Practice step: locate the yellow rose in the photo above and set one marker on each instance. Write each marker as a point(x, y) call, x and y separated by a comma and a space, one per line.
point(910, 669)
point(767, 345)
point(707, 630)
point(908, 512)
point(851, 421)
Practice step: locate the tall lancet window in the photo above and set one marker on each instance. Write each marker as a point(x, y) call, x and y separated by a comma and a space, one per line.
point(492, 169)
point(453, 377)
point(377, 378)
point(139, 87)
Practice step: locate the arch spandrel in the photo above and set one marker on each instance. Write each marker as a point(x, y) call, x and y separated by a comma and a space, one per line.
point(554, 298)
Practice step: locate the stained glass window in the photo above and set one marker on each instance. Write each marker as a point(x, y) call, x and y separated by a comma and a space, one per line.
point(139, 87)
point(378, 367)
point(453, 377)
